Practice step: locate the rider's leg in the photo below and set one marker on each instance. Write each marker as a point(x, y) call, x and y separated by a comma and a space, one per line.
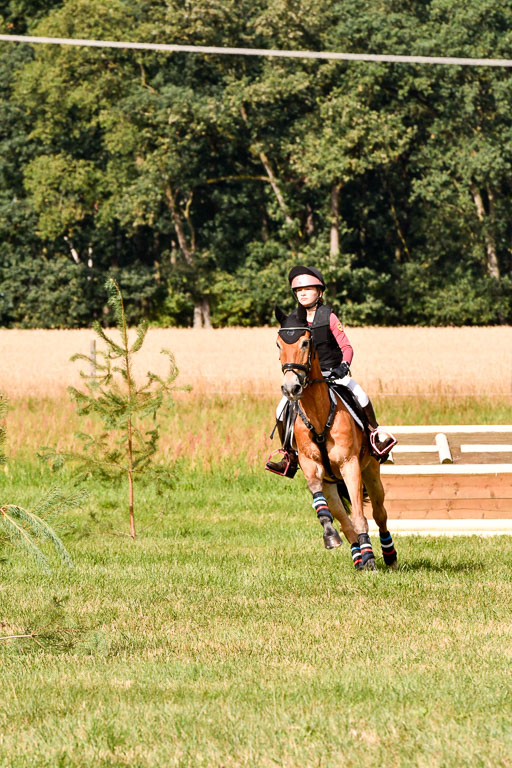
point(383, 440)
point(288, 465)
point(384, 443)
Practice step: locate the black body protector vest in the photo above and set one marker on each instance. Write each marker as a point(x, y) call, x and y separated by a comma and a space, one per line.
point(329, 353)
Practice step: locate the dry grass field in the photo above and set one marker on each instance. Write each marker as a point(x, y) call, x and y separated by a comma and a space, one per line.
point(403, 361)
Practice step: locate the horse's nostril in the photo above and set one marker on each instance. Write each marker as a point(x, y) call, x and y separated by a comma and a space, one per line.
point(296, 389)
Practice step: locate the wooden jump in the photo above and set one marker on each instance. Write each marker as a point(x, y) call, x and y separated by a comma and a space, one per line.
point(463, 473)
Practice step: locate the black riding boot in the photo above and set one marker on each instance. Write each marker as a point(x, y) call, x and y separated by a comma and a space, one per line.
point(289, 464)
point(384, 444)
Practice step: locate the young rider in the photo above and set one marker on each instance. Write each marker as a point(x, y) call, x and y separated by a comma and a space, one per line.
point(335, 354)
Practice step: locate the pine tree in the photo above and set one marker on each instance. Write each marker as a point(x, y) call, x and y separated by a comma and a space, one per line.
point(3, 411)
point(25, 527)
point(126, 446)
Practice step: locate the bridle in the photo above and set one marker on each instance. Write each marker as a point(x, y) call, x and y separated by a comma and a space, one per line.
point(301, 370)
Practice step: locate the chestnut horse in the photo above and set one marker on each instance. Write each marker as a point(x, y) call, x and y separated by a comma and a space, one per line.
point(332, 449)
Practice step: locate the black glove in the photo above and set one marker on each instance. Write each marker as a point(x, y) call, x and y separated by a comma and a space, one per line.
point(341, 370)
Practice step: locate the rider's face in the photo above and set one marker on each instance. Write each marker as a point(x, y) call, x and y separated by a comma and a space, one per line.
point(307, 295)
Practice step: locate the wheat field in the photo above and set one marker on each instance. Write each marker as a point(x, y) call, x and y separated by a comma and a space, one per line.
point(387, 361)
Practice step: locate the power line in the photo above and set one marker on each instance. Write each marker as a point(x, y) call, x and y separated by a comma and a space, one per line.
point(328, 55)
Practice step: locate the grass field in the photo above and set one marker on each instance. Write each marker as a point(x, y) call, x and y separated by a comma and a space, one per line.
point(225, 634)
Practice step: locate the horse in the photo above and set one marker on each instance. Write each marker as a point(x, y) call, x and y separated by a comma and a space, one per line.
point(334, 452)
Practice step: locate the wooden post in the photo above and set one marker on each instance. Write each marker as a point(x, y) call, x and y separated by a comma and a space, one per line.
point(92, 355)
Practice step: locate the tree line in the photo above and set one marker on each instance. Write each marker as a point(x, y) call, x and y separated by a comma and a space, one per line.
point(196, 181)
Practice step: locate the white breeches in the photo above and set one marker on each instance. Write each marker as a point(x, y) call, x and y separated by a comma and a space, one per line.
point(359, 393)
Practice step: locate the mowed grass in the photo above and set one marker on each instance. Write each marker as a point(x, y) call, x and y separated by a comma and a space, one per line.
point(225, 635)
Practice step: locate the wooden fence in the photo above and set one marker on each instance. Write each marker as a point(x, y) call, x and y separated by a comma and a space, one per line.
point(450, 473)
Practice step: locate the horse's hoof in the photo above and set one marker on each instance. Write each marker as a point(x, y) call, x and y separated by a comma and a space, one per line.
point(369, 564)
point(331, 537)
point(392, 566)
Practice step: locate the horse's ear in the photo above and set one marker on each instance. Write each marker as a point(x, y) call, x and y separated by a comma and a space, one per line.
point(302, 315)
point(280, 315)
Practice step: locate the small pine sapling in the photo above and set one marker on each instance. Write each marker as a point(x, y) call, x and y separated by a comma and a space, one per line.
point(126, 447)
point(3, 411)
point(23, 527)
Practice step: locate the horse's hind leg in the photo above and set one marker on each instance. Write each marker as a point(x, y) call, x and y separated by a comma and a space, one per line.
point(373, 483)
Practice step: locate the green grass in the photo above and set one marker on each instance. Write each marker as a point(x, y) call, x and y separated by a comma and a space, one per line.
point(226, 635)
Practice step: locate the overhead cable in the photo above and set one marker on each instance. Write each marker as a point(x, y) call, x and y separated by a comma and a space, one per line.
point(208, 49)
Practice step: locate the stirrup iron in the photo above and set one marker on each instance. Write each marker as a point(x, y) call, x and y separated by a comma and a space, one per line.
point(286, 467)
point(389, 444)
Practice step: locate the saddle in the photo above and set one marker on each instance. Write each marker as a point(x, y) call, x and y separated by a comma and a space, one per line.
point(351, 403)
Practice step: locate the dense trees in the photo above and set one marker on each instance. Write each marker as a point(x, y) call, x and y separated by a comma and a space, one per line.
point(197, 180)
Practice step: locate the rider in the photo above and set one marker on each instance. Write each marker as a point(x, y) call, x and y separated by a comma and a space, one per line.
point(335, 354)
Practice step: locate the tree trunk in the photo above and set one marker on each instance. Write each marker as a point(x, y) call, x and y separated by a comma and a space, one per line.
point(188, 248)
point(310, 221)
point(73, 251)
point(488, 228)
point(335, 223)
point(198, 316)
point(205, 308)
point(271, 176)
point(202, 314)
point(273, 183)
point(177, 221)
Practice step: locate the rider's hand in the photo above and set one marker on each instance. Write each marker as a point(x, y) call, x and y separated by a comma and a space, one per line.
point(341, 370)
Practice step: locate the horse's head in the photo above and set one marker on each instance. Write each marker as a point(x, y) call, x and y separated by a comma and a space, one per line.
point(295, 352)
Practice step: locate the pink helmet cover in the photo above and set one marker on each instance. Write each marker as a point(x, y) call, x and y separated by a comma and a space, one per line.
point(305, 281)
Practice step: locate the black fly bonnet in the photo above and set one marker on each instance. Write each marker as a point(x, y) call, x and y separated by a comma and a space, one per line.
point(289, 331)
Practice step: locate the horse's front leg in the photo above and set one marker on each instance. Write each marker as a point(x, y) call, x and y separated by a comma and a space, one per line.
point(351, 472)
point(336, 507)
point(314, 474)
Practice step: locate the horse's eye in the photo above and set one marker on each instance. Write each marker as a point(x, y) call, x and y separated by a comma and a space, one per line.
point(305, 344)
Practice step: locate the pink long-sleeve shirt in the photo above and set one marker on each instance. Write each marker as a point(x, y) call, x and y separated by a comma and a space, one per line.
point(341, 338)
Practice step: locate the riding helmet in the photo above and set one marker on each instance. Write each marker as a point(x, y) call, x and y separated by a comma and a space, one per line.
point(301, 277)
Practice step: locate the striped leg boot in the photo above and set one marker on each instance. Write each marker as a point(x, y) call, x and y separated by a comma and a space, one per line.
point(367, 555)
point(331, 536)
point(388, 548)
point(355, 551)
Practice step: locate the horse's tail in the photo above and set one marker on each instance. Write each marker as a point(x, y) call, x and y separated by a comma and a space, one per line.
point(345, 496)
